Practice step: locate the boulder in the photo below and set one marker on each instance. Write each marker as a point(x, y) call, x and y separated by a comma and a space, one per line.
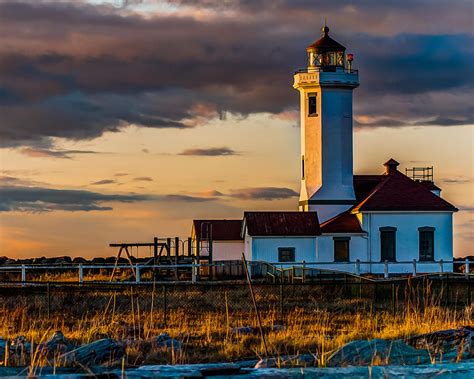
point(444, 346)
point(301, 360)
point(447, 345)
point(102, 352)
point(56, 345)
point(165, 341)
point(377, 352)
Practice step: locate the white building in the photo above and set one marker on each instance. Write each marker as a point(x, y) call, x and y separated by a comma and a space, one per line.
point(369, 223)
point(227, 243)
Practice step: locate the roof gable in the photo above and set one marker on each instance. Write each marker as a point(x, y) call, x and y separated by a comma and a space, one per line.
point(342, 223)
point(288, 224)
point(397, 192)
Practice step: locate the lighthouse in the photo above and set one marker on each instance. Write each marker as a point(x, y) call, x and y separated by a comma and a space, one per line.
point(325, 88)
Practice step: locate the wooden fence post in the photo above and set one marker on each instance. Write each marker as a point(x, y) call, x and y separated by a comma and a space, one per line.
point(81, 274)
point(357, 267)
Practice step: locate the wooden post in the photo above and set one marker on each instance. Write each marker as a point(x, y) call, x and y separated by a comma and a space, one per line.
point(385, 269)
point(440, 266)
point(155, 256)
point(23, 274)
point(176, 252)
point(414, 267)
point(48, 294)
point(190, 247)
point(81, 274)
point(165, 306)
point(357, 267)
point(197, 258)
point(249, 281)
point(466, 268)
point(137, 273)
point(168, 247)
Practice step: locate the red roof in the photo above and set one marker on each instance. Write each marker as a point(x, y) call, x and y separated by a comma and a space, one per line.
point(326, 43)
point(396, 192)
point(282, 223)
point(342, 223)
point(221, 230)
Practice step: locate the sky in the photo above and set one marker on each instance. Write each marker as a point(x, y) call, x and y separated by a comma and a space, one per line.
point(124, 120)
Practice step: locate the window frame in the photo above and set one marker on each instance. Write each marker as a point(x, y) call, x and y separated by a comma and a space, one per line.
point(342, 239)
point(302, 168)
point(388, 229)
point(315, 96)
point(431, 230)
point(292, 251)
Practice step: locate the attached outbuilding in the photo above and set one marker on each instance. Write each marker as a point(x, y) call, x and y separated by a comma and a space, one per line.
point(227, 243)
point(280, 237)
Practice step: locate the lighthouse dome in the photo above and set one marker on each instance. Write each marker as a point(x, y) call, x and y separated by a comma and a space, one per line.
point(326, 52)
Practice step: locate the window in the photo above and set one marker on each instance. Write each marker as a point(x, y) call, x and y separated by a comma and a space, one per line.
point(388, 244)
point(312, 104)
point(341, 249)
point(302, 167)
point(426, 248)
point(286, 254)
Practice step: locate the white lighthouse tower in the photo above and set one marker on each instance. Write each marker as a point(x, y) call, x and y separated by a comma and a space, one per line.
point(325, 88)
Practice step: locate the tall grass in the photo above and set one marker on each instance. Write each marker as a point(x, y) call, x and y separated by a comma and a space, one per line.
point(210, 335)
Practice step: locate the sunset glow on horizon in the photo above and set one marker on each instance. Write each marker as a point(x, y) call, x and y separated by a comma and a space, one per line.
point(122, 121)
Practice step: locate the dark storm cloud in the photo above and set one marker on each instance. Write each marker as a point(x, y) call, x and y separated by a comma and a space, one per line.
point(75, 71)
point(209, 152)
point(38, 199)
point(264, 193)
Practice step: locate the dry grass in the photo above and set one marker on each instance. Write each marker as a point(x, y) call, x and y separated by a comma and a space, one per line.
point(209, 336)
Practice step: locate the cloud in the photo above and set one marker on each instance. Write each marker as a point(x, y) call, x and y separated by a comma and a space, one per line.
point(211, 193)
point(68, 69)
point(209, 152)
point(48, 153)
point(40, 199)
point(118, 174)
point(459, 180)
point(103, 181)
point(143, 179)
point(187, 198)
point(264, 193)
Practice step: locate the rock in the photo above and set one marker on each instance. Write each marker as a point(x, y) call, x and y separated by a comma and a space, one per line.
point(302, 360)
point(3, 346)
point(105, 351)
point(164, 340)
point(57, 344)
point(377, 352)
point(447, 345)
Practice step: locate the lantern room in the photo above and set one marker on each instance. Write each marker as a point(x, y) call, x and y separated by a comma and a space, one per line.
point(326, 54)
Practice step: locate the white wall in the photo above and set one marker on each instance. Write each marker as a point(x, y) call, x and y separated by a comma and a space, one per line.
point(357, 247)
point(407, 238)
point(266, 248)
point(227, 250)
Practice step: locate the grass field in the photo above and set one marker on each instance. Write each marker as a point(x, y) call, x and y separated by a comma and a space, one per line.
point(211, 335)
